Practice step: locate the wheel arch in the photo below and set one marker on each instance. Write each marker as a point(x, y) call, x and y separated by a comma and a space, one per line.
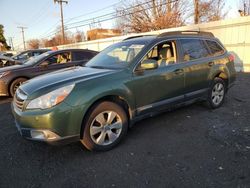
point(223, 76)
point(222, 73)
point(15, 78)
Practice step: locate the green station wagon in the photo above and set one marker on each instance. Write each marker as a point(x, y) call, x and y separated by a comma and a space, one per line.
point(128, 81)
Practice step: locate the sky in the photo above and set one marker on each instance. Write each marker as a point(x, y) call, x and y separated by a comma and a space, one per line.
point(42, 17)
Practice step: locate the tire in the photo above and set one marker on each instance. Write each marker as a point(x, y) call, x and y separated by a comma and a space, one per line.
point(217, 92)
point(104, 127)
point(15, 84)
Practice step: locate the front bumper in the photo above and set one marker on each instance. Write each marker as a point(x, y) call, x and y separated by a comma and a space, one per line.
point(61, 123)
point(3, 88)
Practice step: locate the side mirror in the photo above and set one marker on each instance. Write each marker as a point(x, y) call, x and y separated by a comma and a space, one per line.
point(44, 64)
point(149, 64)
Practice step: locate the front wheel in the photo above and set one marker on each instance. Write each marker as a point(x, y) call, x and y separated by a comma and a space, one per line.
point(15, 84)
point(217, 93)
point(104, 127)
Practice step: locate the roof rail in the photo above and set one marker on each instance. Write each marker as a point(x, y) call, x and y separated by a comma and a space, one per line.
point(200, 33)
point(137, 36)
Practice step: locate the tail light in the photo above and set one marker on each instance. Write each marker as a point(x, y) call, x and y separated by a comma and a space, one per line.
point(231, 57)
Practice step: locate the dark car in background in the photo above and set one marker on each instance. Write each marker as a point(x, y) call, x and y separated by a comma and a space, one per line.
point(6, 61)
point(26, 55)
point(20, 58)
point(7, 54)
point(11, 77)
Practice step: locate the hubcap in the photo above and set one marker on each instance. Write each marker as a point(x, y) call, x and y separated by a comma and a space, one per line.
point(106, 128)
point(218, 93)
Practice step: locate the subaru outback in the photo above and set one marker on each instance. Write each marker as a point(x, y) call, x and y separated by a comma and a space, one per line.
point(126, 82)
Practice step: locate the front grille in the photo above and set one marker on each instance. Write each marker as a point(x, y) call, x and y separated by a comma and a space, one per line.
point(19, 99)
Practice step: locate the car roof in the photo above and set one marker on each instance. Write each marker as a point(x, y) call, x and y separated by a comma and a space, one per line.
point(72, 50)
point(178, 34)
point(36, 50)
point(140, 38)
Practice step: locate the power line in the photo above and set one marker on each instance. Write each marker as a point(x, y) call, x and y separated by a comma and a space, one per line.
point(117, 16)
point(92, 12)
point(115, 13)
point(111, 16)
point(48, 32)
point(38, 15)
point(22, 30)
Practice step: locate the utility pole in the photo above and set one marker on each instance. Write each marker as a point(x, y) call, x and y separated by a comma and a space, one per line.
point(60, 2)
point(244, 10)
point(196, 11)
point(11, 43)
point(169, 6)
point(22, 30)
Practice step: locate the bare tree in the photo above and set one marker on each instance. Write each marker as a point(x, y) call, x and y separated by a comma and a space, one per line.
point(148, 15)
point(211, 10)
point(79, 36)
point(33, 44)
point(244, 8)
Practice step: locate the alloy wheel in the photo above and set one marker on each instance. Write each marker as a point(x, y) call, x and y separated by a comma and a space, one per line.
point(218, 93)
point(106, 128)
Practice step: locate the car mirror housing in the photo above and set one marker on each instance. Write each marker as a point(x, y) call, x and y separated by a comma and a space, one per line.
point(44, 64)
point(149, 64)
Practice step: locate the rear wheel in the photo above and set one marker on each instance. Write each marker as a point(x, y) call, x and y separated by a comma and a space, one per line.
point(217, 93)
point(15, 84)
point(105, 126)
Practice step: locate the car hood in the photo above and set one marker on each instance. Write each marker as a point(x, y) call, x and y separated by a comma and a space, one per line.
point(51, 81)
point(8, 61)
point(3, 57)
point(11, 67)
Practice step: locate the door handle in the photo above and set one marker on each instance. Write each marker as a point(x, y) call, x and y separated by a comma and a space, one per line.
point(210, 64)
point(179, 71)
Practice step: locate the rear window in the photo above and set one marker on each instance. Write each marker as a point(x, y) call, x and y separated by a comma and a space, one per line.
point(194, 49)
point(215, 48)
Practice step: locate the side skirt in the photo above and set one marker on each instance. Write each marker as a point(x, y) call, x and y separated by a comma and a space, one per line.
point(169, 105)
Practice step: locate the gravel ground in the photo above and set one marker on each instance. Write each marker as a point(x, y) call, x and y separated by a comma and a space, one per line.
point(188, 147)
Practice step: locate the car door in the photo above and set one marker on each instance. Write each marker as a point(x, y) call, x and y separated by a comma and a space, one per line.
point(195, 57)
point(53, 63)
point(157, 88)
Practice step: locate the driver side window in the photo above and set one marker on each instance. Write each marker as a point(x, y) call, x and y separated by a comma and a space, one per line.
point(164, 54)
point(60, 58)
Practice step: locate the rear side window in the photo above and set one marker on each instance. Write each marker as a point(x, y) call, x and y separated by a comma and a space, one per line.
point(194, 49)
point(82, 56)
point(215, 48)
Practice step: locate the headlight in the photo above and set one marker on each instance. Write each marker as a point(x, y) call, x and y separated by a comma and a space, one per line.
point(51, 99)
point(4, 74)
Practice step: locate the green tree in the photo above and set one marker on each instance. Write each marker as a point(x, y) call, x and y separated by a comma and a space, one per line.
point(2, 38)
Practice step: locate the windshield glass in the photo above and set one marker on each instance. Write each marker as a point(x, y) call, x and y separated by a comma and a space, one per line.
point(16, 57)
point(118, 55)
point(36, 59)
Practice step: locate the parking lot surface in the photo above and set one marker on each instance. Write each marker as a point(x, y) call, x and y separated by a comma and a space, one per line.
point(188, 147)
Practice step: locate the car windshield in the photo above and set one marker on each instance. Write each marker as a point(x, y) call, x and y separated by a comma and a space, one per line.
point(36, 59)
point(117, 55)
